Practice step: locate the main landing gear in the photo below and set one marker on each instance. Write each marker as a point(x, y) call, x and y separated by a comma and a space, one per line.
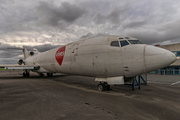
point(41, 74)
point(48, 74)
point(103, 86)
point(26, 73)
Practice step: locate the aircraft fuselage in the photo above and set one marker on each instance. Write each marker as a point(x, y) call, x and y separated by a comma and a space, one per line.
point(107, 56)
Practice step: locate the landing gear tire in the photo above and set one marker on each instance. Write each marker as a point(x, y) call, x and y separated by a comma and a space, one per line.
point(101, 87)
point(41, 74)
point(49, 74)
point(27, 74)
point(108, 88)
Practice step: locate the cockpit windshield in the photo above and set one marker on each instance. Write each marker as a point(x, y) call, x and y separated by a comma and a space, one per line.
point(124, 43)
point(135, 42)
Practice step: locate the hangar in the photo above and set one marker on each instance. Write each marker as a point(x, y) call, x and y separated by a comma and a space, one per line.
point(173, 69)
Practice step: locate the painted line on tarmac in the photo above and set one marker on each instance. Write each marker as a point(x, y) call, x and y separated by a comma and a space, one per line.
point(175, 83)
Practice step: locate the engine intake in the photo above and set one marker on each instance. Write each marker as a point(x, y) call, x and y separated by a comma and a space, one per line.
point(20, 62)
point(31, 53)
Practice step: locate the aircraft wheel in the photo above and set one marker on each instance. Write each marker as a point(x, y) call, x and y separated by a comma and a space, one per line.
point(108, 87)
point(27, 75)
point(48, 74)
point(24, 74)
point(41, 74)
point(101, 87)
point(51, 74)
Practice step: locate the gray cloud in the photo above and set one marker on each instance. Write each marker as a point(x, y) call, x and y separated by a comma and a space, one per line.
point(9, 56)
point(43, 24)
point(4, 61)
point(135, 24)
point(165, 32)
point(88, 35)
point(65, 14)
point(43, 48)
point(113, 17)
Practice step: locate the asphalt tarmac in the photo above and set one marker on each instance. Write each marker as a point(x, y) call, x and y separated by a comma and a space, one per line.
point(64, 97)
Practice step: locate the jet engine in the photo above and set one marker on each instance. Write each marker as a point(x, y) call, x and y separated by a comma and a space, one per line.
point(20, 62)
point(31, 53)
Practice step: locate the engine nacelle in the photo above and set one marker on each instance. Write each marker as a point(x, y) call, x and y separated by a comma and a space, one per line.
point(31, 53)
point(20, 62)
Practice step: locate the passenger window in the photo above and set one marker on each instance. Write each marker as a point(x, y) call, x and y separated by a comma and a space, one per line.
point(115, 43)
point(124, 43)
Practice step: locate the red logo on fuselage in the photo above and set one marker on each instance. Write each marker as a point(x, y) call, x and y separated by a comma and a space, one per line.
point(60, 54)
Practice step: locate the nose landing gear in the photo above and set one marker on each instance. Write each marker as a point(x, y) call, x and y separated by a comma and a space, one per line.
point(103, 86)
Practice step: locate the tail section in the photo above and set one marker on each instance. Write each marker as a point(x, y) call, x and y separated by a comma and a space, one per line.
point(25, 52)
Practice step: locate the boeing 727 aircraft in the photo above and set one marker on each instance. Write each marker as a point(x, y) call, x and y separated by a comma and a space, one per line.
point(108, 58)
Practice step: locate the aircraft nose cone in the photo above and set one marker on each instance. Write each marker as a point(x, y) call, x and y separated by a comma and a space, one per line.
point(156, 58)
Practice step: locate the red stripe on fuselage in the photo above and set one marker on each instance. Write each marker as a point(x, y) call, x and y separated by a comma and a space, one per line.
point(60, 55)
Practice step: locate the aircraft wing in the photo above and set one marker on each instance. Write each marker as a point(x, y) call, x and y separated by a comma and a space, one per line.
point(20, 67)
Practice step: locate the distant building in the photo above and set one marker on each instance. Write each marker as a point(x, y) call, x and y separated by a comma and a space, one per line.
point(173, 69)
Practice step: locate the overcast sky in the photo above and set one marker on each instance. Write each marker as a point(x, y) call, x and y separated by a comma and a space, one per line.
point(44, 24)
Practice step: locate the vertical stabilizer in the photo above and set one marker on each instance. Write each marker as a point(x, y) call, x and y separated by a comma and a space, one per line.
point(26, 54)
point(25, 51)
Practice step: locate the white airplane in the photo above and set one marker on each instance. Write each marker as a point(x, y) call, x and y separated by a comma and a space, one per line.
point(109, 59)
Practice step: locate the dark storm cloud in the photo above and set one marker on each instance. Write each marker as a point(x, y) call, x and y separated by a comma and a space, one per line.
point(165, 32)
point(171, 30)
point(65, 14)
point(113, 17)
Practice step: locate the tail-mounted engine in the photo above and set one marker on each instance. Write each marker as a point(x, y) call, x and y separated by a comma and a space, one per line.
point(20, 62)
point(31, 53)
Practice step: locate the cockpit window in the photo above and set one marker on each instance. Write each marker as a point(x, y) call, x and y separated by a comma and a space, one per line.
point(124, 43)
point(115, 43)
point(135, 42)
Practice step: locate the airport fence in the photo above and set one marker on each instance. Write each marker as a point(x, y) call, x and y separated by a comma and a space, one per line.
point(164, 76)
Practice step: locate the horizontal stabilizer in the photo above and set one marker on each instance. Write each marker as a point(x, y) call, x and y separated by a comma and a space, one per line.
point(20, 67)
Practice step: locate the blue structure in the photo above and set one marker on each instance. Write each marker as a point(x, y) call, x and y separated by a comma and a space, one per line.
point(170, 70)
point(137, 81)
